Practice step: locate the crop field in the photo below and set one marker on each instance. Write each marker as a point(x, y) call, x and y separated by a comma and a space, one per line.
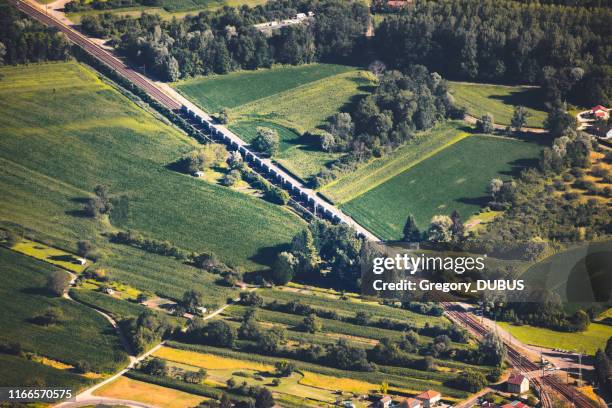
point(291, 100)
point(500, 100)
point(595, 337)
point(18, 371)
point(58, 257)
point(119, 309)
point(377, 171)
point(82, 335)
point(456, 178)
point(163, 397)
point(100, 137)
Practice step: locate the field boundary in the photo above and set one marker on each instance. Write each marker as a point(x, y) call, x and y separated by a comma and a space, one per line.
point(399, 170)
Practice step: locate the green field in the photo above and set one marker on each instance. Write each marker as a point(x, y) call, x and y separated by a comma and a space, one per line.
point(292, 100)
point(169, 9)
point(19, 372)
point(52, 158)
point(500, 100)
point(588, 341)
point(454, 179)
point(83, 335)
point(377, 171)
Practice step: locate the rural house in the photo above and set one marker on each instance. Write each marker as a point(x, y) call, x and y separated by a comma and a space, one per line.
point(518, 383)
point(600, 112)
point(384, 402)
point(411, 403)
point(429, 398)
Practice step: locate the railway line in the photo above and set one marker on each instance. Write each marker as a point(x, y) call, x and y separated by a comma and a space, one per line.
point(544, 385)
point(308, 199)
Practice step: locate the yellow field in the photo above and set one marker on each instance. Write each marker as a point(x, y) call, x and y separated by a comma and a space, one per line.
point(208, 361)
point(334, 383)
point(126, 388)
point(51, 255)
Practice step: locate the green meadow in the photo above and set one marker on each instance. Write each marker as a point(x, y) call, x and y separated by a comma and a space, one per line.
point(83, 334)
point(51, 159)
point(500, 100)
point(292, 100)
point(455, 178)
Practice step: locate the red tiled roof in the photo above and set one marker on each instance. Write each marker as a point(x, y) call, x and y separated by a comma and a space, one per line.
point(516, 379)
point(410, 403)
point(599, 107)
point(429, 394)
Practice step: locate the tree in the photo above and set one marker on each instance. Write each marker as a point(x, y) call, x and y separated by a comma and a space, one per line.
point(492, 350)
point(440, 229)
point(485, 124)
point(250, 299)
point(84, 248)
point(230, 178)
point(266, 141)
point(270, 340)
point(283, 269)
point(58, 282)
point(235, 160)
point(470, 380)
point(457, 229)
point(311, 324)
point(10, 237)
point(225, 401)
point(284, 368)
point(223, 116)
point(194, 377)
point(580, 320)
point(264, 399)
point(495, 187)
point(384, 387)
point(377, 67)
point(52, 315)
point(192, 300)
point(249, 328)
point(558, 121)
point(519, 117)
point(82, 367)
point(2, 53)
point(411, 230)
point(154, 366)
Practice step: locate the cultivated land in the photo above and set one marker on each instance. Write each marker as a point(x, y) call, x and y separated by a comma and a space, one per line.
point(291, 100)
point(126, 388)
point(588, 341)
point(377, 171)
point(17, 371)
point(100, 137)
point(456, 178)
point(499, 101)
point(82, 335)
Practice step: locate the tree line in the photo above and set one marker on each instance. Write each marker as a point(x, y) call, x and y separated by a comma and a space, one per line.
point(225, 40)
point(24, 40)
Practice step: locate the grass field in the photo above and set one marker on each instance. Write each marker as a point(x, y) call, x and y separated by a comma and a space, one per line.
point(51, 159)
point(500, 100)
point(19, 372)
point(456, 178)
point(83, 335)
point(291, 100)
point(209, 361)
point(126, 388)
point(169, 9)
point(63, 259)
point(377, 171)
point(588, 341)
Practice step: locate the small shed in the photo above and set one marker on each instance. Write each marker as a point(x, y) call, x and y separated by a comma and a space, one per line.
point(517, 383)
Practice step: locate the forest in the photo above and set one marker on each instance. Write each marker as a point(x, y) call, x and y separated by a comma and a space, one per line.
point(23, 40)
point(565, 49)
point(226, 40)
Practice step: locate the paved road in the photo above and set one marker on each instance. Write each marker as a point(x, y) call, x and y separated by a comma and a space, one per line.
point(172, 100)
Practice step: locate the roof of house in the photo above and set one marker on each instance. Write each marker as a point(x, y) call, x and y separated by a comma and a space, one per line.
point(600, 113)
point(429, 394)
point(410, 403)
point(386, 398)
point(397, 3)
point(599, 107)
point(516, 379)
point(515, 404)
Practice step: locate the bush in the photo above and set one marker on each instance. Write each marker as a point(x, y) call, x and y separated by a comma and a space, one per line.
point(82, 367)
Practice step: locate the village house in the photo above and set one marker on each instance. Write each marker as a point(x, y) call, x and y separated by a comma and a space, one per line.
point(411, 403)
point(429, 398)
point(600, 112)
point(515, 404)
point(384, 402)
point(517, 383)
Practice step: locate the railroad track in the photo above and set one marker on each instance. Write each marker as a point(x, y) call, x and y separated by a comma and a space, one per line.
point(543, 384)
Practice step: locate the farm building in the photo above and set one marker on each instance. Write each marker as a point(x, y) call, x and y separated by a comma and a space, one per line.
point(385, 402)
point(411, 403)
point(600, 112)
point(429, 398)
point(198, 174)
point(82, 261)
point(517, 383)
point(515, 404)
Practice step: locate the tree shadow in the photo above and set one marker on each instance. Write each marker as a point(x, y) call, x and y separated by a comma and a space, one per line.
point(267, 255)
point(479, 201)
point(530, 98)
point(37, 291)
point(64, 258)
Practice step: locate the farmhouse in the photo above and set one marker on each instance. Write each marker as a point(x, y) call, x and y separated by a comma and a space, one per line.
point(411, 403)
point(518, 383)
point(515, 404)
point(429, 398)
point(600, 112)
